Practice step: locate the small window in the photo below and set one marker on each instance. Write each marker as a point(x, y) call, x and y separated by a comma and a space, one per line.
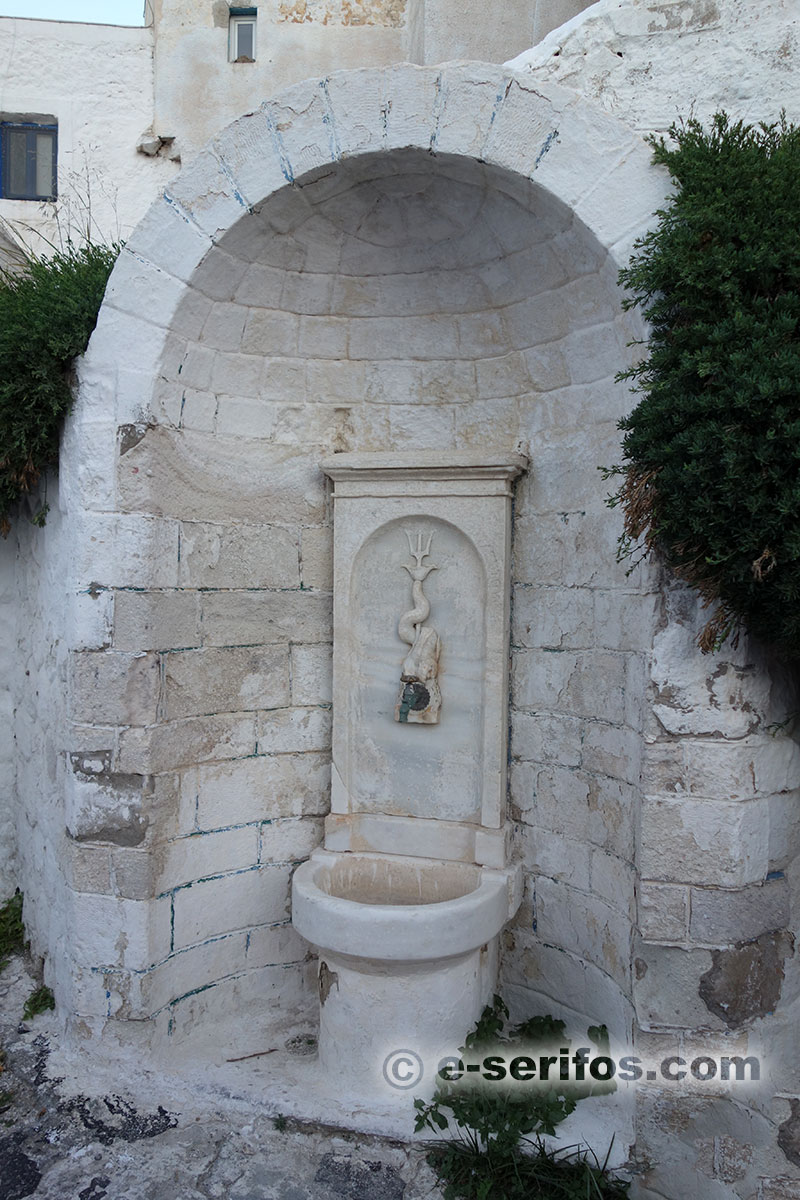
point(28, 160)
point(242, 35)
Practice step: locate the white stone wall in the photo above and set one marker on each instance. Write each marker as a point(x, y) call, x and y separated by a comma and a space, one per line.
point(651, 62)
point(297, 39)
point(97, 81)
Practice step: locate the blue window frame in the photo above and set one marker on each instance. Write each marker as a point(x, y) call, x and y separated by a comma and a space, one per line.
point(28, 160)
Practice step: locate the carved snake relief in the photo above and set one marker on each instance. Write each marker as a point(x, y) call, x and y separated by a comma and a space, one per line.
point(420, 698)
point(410, 621)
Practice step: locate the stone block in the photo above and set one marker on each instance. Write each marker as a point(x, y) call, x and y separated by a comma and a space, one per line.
point(261, 286)
point(546, 738)
point(191, 314)
point(238, 556)
point(156, 620)
point(200, 855)
point(546, 366)
point(625, 621)
point(584, 925)
point(196, 479)
point(87, 868)
point(288, 730)
point(283, 378)
point(663, 912)
point(316, 557)
point(194, 967)
point(176, 744)
point(553, 618)
point(108, 687)
point(89, 618)
point(759, 765)
point(196, 367)
point(250, 153)
point(215, 906)
point(704, 841)
point(324, 337)
point(270, 333)
point(722, 916)
point(334, 381)
point(210, 681)
point(134, 871)
point(555, 856)
point(243, 417)
point(312, 674)
point(273, 945)
point(101, 805)
point(123, 550)
point(594, 353)
point(467, 109)
point(300, 117)
point(224, 326)
point(666, 983)
point(253, 618)
point(612, 750)
point(263, 787)
point(489, 425)
point(587, 684)
point(165, 237)
point(587, 808)
point(290, 839)
point(109, 932)
point(664, 768)
point(395, 381)
point(236, 374)
point(613, 880)
point(503, 375)
point(409, 119)
point(205, 190)
point(428, 427)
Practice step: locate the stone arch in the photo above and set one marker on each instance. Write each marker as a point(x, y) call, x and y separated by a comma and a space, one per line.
point(573, 173)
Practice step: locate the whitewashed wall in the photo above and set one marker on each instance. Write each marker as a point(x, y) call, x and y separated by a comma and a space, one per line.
point(97, 80)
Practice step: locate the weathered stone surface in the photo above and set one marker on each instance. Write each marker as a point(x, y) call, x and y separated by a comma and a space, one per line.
point(176, 744)
point(111, 688)
point(704, 841)
point(172, 473)
point(256, 618)
point(238, 556)
point(663, 912)
point(233, 679)
point(156, 620)
point(284, 730)
point(720, 917)
point(214, 906)
point(744, 983)
point(257, 788)
point(789, 1135)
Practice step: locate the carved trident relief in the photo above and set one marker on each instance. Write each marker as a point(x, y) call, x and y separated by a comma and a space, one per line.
point(419, 700)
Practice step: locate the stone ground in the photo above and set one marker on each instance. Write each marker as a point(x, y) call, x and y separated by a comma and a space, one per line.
point(56, 1144)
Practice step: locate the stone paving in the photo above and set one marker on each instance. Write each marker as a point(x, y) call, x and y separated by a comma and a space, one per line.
point(58, 1145)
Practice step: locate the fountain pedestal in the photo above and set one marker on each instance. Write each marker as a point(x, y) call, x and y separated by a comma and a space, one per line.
point(407, 899)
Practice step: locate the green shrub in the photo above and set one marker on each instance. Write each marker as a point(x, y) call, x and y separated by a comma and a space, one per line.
point(47, 313)
point(712, 449)
point(497, 1152)
point(40, 1000)
point(12, 932)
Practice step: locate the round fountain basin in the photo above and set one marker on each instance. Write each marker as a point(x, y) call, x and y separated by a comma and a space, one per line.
point(397, 909)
